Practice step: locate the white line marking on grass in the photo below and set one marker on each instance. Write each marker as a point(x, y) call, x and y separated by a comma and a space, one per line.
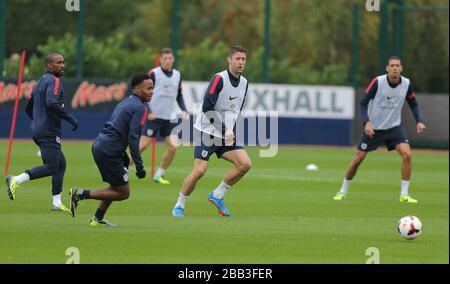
point(281, 177)
point(262, 176)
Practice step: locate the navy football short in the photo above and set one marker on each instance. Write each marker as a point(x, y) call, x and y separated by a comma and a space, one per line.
point(159, 127)
point(390, 137)
point(112, 169)
point(209, 145)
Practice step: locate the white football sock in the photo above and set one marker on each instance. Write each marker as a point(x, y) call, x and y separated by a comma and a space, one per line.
point(22, 178)
point(160, 172)
point(220, 191)
point(405, 187)
point(181, 200)
point(345, 186)
point(57, 200)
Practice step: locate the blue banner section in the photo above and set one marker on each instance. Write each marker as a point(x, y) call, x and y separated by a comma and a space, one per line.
point(315, 131)
point(290, 130)
point(90, 124)
point(314, 115)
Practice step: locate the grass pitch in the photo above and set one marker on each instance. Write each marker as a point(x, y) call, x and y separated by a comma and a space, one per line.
point(281, 213)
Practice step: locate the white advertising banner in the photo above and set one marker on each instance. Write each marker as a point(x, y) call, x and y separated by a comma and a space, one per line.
point(296, 101)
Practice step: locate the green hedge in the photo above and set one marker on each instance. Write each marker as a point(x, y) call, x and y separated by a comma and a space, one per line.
point(112, 58)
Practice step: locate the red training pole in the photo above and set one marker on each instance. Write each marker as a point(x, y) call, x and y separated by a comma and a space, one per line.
point(153, 157)
point(16, 107)
point(154, 138)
